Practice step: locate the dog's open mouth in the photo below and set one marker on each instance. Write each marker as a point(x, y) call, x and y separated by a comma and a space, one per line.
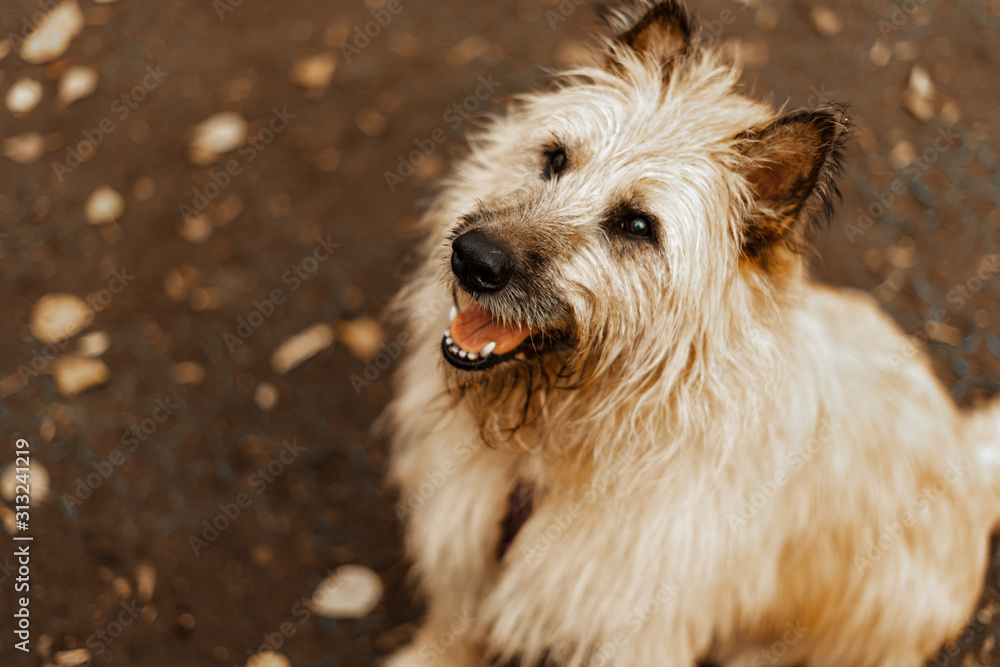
point(476, 340)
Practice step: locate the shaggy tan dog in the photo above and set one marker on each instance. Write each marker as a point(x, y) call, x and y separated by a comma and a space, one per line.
point(645, 437)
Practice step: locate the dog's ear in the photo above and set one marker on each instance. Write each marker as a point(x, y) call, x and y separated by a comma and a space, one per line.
point(652, 29)
point(791, 167)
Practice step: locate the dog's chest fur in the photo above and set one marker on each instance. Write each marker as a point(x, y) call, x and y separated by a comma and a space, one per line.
point(544, 553)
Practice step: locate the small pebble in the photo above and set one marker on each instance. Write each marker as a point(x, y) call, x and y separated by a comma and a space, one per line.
point(216, 135)
point(353, 591)
point(944, 333)
point(58, 316)
point(196, 228)
point(314, 72)
point(466, 51)
point(77, 83)
point(227, 211)
point(24, 148)
point(144, 189)
point(902, 255)
point(44, 646)
point(300, 347)
point(145, 578)
point(950, 113)
point(363, 337)
point(9, 520)
point(121, 587)
point(880, 53)
point(986, 652)
point(371, 121)
point(104, 206)
point(75, 375)
point(920, 82)
point(268, 659)
point(918, 97)
point(38, 479)
point(74, 658)
point(266, 396)
point(767, 18)
point(262, 555)
point(23, 96)
point(903, 154)
point(93, 344)
point(54, 34)
point(826, 21)
point(188, 372)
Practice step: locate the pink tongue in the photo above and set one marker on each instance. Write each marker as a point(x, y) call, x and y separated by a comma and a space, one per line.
point(474, 329)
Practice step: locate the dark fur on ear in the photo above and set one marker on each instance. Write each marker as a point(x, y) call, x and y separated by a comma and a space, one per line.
point(792, 166)
point(664, 29)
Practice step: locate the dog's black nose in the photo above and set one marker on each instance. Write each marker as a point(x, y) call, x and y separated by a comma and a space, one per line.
point(481, 265)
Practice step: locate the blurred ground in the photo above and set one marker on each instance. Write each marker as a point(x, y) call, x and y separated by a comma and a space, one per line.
point(932, 193)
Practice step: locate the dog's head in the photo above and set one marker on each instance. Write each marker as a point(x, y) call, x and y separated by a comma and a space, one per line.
point(607, 221)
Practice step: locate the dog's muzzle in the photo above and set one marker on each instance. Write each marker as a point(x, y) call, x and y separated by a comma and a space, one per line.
point(476, 339)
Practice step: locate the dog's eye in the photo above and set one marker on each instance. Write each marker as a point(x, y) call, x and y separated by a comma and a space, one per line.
point(637, 226)
point(555, 163)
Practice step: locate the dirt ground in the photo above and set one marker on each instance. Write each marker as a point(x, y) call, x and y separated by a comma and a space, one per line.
point(923, 166)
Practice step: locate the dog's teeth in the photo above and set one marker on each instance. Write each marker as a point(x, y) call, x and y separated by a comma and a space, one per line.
point(453, 314)
point(472, 356)
point(488, 350)
point(448, 341)
point(463, 354)
point(447, 333)
point(454, 349)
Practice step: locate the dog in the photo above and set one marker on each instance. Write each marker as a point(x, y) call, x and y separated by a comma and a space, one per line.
point(630, 430)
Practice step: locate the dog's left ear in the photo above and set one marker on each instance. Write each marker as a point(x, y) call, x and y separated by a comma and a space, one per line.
point(791, 167)
point(661, 30)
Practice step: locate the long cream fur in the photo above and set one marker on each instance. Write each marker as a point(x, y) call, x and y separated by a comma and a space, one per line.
point(731, 462)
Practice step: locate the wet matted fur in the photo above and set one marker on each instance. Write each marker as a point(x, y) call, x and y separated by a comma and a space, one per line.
point(681, 448)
